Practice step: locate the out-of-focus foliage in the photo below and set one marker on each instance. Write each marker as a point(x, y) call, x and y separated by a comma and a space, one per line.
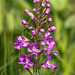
point(11, 14)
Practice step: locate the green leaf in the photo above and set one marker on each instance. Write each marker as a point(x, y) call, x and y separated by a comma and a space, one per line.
point(25, 4)
point(11, 20)
point(70, 21)
point(58, 5)
point(1, 16)
point(58, 24)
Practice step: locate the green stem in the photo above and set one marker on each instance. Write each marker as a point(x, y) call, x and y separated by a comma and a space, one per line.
point(35, 66)
point(5, 44)
point(35, 57)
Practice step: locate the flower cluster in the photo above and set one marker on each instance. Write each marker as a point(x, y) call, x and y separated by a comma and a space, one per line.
point(40, 13)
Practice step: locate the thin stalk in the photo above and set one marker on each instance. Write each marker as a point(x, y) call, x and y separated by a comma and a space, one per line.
point(5, 48)
point(29, 71)
point(34, 56)
point(35, 66)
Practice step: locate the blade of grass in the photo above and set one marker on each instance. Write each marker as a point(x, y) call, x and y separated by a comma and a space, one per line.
point(5, 43)
point(1, 17)
point(65, 63)
point(7, 64)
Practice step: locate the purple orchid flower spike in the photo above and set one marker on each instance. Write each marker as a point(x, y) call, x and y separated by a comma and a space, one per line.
point(41, 10)
point(25, 59)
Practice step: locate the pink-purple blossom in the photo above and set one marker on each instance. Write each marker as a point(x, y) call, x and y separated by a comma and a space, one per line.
point(20, 43)
point(47, 63)
point(25, 60)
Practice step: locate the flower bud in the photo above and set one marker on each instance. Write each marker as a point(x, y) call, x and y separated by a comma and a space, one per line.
point(48, 5)
point(26, 11)
point(33, 32)
point(42, 5)
point(24, 22)
point(42, 30)
point(52, 28)
point(38, 0)
point(49, 20)
point(47, 11)
point(47, 0)
point(34, 1)
point(34, 10)
point(32, 17)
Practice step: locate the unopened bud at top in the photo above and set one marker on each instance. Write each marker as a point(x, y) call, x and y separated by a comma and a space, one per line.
point(34, 10)
point(47, 0)
point(48, 5)
point(49, 20)
point(33, 32)
point(26, 11)
point(53, 28)
point(42, 30)
point(42, 5)
point(47, 11)
point(34, 1)
point(24, 22)
point(32, 17)
point(38, 0)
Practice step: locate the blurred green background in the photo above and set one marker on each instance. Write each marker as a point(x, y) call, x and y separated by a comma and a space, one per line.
point(11, 15)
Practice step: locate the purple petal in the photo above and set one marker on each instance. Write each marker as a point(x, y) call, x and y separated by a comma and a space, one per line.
point(47, 53)
point(36, 45)
point(31, 64)
point(21, 58)
point(53, 67)
point(25, 66)
point(48, 58)
point(29, 50)
point(43, 43)
point(33, 45)
point(29, 57)
point(47, 34)
point(33, 53)
point(44, 65)
point(16, 43)
point(24, 44)
point(51, 45)
point(19, 38)
point(48, 65)
point(17, 47)
point(55, 52)
point(38, 50)
point(21, 62)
